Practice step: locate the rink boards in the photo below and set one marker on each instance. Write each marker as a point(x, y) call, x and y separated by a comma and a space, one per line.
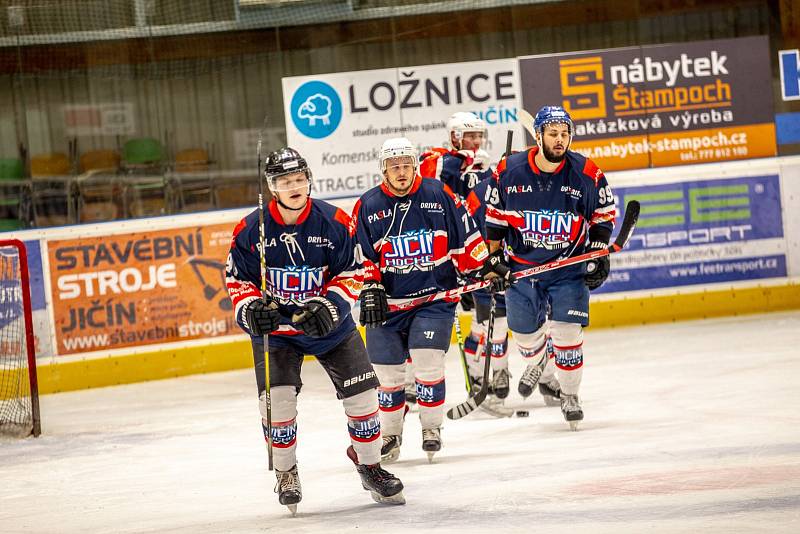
point(144, 299)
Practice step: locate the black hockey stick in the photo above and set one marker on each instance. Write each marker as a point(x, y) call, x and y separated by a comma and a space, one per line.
point(628, 224)
point(263, 262)
point(469, 406)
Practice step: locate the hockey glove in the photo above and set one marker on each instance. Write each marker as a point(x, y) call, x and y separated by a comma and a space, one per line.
point(467, 302)
point(374, 305)
point(262, 317)
point(597, 270)
point(496, 270)
point(317, 318)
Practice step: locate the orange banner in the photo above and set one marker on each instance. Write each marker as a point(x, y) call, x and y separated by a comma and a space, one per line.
point(140, 289)
point(680, 148)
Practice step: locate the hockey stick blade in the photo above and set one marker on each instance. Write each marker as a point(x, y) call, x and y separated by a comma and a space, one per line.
point(468, 406)
point(625, 232)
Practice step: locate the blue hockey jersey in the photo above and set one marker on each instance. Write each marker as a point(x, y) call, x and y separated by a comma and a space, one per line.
point(546, 216)
point(452, 168)
point(414, 244)
point(314, 257)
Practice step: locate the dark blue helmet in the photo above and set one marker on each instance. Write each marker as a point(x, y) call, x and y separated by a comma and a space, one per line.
point(552, 115)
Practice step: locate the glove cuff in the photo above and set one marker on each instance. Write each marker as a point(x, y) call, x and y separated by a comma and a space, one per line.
point(599, 233)
point(245, 311)
point(330, 306)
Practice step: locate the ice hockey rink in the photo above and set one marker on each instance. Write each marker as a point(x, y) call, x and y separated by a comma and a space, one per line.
point(689, 427)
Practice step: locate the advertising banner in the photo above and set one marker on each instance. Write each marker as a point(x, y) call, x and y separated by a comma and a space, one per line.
point(339, 121)
point(41, 319)
point(140, 288)
point(662, 105)
point(701, 232)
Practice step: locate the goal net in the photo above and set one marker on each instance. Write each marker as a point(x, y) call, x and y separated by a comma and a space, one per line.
point(19, 401)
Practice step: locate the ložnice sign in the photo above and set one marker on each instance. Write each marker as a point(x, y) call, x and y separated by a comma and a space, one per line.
point(140, 288)
point(655, 106)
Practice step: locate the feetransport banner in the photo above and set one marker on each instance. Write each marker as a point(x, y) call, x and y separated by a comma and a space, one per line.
point(661, 105)
point(701, 232)
point(143, 288)
point(339, 121)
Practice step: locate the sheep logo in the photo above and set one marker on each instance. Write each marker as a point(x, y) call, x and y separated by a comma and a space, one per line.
point(317, 106)
point(316, 109)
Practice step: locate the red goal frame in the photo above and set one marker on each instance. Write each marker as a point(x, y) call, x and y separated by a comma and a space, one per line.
point(29, 337)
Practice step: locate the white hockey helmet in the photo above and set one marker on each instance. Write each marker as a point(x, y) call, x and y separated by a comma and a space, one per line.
point(464, 121)
point(395, 148)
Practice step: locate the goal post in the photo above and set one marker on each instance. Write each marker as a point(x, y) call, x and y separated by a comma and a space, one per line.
point(19, 389)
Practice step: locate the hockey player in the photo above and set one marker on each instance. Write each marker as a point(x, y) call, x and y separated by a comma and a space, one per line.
point(312, 283)
point(466, 163)
point(462, 168)
point(475, 344)
point(549, 202)
point(415, 236)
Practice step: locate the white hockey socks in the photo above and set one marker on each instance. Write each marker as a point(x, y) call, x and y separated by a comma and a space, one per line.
point(284, 425)
point(364, 425)
point(532, 346)
point(391, 397)
point(568, 348)
point(429, 368)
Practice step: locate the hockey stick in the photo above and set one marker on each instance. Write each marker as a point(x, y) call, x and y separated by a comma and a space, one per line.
point(628, 224)
point(464, 366)
point(469, 406)
point(263, 261)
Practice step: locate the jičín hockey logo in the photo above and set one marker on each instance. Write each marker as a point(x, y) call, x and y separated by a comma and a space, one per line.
point(316, 109)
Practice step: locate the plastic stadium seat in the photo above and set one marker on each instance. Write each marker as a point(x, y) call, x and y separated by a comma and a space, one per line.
point(11, 169)
point(99, 160)
point(54, 164)
point(192, 160)
point(142, 152)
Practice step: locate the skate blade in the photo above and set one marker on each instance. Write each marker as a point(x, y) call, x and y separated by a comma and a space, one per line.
point(397, 498)
point(390, 457)
point(573, 425)
point(496, 410)
point(430, 456)
point(551, 401)
point(292, 508)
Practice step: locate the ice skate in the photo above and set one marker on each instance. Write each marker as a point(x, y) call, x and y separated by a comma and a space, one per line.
point(500, 383)
point(495, 407)
point(390, 450)
point(530, 377)
point(571, 408)
point(551, 391)
point(431, 441)
point(384, 487)
point(288, 488)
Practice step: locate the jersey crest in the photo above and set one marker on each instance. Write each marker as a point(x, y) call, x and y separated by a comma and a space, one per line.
point(550, 229)
point(295, 283)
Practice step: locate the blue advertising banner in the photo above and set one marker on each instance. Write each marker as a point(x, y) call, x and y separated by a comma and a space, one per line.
point(702, 232)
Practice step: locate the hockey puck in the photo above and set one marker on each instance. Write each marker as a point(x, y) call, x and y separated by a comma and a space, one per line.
point(522, 413)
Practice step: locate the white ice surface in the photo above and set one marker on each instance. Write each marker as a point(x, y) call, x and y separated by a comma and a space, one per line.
point(689, 427)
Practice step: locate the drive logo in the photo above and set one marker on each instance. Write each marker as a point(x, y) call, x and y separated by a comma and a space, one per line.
point(316, 109)
point(409, 251)
point(582, 87)
point(295, 283)
point(790, 74)
point(550, 229)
